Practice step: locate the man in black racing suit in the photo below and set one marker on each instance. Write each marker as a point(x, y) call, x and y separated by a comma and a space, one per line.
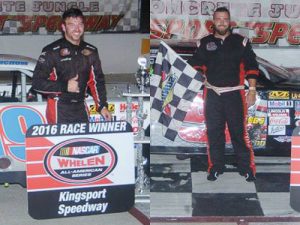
point(66, 70)
point(226, 59)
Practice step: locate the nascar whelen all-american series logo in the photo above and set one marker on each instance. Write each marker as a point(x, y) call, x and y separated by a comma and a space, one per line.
point(80, 160)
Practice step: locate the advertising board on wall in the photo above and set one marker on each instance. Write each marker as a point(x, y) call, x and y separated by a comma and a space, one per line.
point(266, 22)
point(44, 17)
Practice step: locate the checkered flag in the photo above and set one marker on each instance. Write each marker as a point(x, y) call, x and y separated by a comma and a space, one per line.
point(173, 86)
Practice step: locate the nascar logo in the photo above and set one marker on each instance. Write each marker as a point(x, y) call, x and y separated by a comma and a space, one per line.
point(80, 160)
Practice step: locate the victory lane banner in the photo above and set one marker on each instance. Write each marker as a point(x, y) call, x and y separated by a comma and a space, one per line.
point(79, 169)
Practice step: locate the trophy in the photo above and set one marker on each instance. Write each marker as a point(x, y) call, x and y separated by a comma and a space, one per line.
point(143, 81)
point(142, 76)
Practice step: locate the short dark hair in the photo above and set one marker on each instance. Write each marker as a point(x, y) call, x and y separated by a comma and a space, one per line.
point(222, 9)
point(72, 12)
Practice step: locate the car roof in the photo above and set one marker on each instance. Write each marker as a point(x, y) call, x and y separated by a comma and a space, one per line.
point(20, 63)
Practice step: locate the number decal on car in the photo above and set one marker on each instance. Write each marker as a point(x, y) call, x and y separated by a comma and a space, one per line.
point(15, 120)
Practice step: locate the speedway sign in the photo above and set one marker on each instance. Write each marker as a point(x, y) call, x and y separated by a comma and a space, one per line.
point(79, 169)
point(44, 17)
point(266, 22)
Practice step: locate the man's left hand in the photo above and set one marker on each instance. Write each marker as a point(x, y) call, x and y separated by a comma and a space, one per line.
point(251, 98)
point(106, 114)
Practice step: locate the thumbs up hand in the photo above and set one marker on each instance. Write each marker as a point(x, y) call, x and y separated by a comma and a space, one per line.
point(73, 85)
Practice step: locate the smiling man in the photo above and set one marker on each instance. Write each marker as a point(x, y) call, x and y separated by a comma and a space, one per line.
point(227, 59)
point(67, 70)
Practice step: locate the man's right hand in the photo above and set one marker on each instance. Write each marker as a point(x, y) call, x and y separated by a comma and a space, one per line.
point(73, 85)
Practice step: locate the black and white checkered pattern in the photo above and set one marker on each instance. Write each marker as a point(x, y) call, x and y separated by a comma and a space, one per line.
point(131, 19)
point(179, 188)
point(187, 82)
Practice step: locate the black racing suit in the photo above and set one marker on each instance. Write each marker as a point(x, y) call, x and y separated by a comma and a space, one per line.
point(226, 63)
point(58, 63)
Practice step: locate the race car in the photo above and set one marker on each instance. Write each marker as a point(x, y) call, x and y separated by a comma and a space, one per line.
point(271, 120)
point(21, 107)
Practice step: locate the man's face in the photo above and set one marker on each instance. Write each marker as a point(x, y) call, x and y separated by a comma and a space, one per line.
point(221, 22)
point(73, 29)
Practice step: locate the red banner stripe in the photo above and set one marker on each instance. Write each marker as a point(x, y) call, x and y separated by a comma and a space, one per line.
point(295, 178)
point(37, 142)
point(295, 166)
point(36, 155)
point(296, 140)
point(36, 169)
point(295, 154)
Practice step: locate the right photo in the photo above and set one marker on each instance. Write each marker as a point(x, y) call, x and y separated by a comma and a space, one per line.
point(225, 112)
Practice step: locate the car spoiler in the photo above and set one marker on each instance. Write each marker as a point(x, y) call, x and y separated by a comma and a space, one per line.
point(20, 63)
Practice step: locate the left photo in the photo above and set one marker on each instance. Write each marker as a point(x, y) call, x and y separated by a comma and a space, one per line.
point(75, 112)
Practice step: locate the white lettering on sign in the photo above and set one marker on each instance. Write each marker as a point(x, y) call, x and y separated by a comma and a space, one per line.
point(86, 162)
point(87, 207)
point(85, 150)
point(67, 196)
point(107, 127)
point(77, 128)
point(44, 130)
point(77, 197)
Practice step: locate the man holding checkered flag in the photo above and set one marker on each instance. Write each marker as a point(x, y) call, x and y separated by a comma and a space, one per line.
point(226, 59)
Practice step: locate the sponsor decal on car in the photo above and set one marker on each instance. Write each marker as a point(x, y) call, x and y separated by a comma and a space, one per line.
point(256, 120)
point(92, 109)
point(260, 143)
point(262, 106)
point(111, 107)
point(123, 107)
point(279, 120)
point(276, 130)
point(280, 104)
point(295, 95)
point(297, 105)
point(297, 114)
point(14, 121)
point(13, 62)
point(278, 112)
point(283, 139)
point(279, 95)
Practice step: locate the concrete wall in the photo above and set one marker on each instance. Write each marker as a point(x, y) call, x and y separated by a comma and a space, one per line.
point(118, 52)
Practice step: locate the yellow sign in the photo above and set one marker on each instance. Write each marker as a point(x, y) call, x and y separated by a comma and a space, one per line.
point(93, 109)
point(256, 120)
point(260, 143)
point(279, 95)
point(111, 108)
